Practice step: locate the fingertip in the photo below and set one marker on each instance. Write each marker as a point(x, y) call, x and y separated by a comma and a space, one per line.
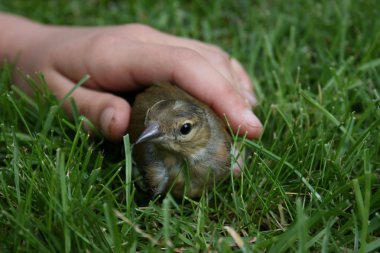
point(114, 120)
point(240, 116)
point(245, 123)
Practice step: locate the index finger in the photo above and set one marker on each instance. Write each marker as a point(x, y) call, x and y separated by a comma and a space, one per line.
point(193, 73)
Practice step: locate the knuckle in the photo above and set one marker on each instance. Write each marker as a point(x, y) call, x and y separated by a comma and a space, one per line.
point(101, 41)
point(221, 58)
point(182, 53)
point(228, 90)
point(98, 43)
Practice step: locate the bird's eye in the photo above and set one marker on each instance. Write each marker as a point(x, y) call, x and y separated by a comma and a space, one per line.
point(186, 128)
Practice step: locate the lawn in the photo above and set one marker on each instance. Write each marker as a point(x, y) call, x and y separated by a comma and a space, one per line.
point(310, 185)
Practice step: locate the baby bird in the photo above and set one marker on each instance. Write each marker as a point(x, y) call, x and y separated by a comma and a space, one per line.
point(180, 145)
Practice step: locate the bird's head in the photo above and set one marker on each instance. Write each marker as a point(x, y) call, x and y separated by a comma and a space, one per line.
point(176, 125)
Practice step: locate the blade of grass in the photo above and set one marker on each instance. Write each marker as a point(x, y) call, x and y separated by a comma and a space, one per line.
point(370, 65)
point(10, 98)
point(15, 165)
point(278, 159)
point(328, 115)
point(54, 109)
point(24, 97)
point(363, 202)
point(166, 223)
point(64, 199)
point(112, 227)
point(301, 226)
point(128, 175)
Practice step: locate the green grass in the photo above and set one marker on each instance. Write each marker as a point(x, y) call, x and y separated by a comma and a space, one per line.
point(311, 185)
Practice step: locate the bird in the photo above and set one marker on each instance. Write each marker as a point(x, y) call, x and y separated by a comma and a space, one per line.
point(179, 144)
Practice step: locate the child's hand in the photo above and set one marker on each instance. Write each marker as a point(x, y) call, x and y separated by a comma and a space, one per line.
point(125, 58)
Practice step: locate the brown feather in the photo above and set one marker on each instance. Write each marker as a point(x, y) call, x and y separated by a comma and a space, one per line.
point(207, 151)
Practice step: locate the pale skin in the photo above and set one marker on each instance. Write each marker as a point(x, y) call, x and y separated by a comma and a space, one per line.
point(122, 59)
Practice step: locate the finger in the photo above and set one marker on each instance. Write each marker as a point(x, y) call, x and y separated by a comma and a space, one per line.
point(168, 39)
point(216, 56)
point(193, 73)
point(230, 68)
point(109, 113)
point(213, 54)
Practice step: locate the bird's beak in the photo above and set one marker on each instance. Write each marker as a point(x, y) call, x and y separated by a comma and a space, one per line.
point(151, 132)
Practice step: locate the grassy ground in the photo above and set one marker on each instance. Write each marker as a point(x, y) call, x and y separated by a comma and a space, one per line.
point(312, 184)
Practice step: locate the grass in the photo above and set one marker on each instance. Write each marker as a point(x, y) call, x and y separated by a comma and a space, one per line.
point(311, 184)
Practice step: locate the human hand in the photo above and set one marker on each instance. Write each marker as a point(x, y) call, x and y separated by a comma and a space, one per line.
point(126, 58)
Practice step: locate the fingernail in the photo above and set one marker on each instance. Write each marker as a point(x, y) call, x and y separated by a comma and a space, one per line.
point(251, 119)
point(251, 98)
point(106, 118)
